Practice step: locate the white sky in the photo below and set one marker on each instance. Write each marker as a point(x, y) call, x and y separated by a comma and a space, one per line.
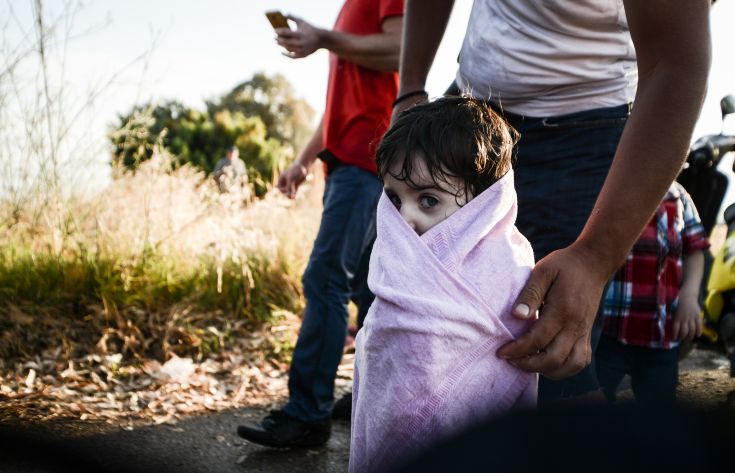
point(202, 49)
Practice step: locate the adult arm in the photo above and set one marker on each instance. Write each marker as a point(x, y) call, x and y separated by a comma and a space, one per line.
point(290, 179)
point(424, 24)
point(672, 44)
point(379, 52)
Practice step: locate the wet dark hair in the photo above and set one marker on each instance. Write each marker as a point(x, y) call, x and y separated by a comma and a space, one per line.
point(457, 137)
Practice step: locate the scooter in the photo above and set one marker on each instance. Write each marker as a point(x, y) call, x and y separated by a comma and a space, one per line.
point(707, 186)
point(719, 304)
point(700, 176)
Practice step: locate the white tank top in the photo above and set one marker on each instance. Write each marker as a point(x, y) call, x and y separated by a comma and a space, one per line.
point(544, 58)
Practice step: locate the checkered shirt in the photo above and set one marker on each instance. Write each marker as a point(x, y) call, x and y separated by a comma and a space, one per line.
point(643, 295)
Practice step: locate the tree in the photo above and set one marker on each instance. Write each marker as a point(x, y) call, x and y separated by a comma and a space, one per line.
point(262, 117)
point(287, 118)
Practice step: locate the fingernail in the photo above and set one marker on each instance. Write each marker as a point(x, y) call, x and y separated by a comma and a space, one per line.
point(522, 310)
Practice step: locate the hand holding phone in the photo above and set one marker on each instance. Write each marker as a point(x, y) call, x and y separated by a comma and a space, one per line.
point(277, 19)
point(299, 42)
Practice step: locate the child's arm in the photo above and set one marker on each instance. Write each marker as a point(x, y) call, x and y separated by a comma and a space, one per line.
point(687, 320)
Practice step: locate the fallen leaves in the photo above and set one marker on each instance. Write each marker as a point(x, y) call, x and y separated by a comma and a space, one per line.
point(109, 389)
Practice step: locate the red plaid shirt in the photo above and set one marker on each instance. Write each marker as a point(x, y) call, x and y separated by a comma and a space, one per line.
point(642, 296)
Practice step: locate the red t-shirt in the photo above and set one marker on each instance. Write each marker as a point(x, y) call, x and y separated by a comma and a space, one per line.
point(359, 100)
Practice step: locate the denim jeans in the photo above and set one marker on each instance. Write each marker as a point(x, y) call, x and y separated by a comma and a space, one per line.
point(561, 164)
point(336, 273)
point(654, 372)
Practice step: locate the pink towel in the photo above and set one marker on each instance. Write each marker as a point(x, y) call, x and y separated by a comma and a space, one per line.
point(425, 365)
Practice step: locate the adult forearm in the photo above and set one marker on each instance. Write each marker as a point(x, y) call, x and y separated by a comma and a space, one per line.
point(307, 156)
point(424, 24)
point(649, 156)
point(379, 52)
point(672, 44)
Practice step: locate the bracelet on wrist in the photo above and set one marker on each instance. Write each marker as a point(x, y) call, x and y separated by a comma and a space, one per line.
point(408, 95)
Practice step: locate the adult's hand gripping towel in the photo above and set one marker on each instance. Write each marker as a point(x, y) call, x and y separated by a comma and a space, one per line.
point(425, 363)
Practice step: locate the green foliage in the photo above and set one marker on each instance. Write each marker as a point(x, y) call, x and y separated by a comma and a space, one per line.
point(154, 265)
point(249, 289)
point(286, 118)
point(97, 287)
point(262, 117)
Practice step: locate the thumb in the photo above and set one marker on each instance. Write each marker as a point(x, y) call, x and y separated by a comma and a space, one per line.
point(532, 295)
point(295, 19)
point(292, 188)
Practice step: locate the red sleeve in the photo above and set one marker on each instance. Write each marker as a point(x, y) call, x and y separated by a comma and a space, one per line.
point(694, 241)
point(390, 8)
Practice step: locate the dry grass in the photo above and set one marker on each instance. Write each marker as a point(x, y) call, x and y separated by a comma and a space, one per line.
point(100, 295)
point(160, 263)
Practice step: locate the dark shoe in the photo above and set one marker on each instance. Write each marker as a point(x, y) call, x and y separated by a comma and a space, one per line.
point(280, 430)
point(342, 409)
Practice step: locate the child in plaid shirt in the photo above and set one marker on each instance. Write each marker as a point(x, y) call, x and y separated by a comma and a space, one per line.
point(652, 303)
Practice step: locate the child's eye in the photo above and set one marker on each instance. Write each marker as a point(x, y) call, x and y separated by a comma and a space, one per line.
point(394, 199)
point(428, 201)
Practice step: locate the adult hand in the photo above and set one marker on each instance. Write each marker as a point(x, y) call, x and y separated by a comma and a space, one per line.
point(568, 284)
point(290, 179)
point(302, 41)
point(687, 320)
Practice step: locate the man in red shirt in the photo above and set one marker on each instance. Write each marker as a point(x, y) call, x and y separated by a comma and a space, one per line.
point(364, 50)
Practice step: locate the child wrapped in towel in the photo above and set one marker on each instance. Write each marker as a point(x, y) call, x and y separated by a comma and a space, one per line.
point(447, 265)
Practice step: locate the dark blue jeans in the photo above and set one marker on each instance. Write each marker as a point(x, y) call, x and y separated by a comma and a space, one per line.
point(336, 273)
point(654, 372)
point(561, 164)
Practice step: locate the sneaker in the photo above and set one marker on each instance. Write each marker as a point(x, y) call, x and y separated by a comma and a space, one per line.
point(280, 430)
point(342, 408)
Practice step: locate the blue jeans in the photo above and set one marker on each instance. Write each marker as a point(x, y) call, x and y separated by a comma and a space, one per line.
point(561, 164)
point(654, 372)
point(336, 273)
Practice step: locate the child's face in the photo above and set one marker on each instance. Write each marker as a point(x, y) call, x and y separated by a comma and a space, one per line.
point(426, 203)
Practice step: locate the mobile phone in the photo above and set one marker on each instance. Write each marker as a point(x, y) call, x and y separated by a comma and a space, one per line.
point(277, 19)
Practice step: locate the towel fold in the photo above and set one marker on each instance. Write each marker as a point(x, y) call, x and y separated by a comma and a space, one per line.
point(425, 363)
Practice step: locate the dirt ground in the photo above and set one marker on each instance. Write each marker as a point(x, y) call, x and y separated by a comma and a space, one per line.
point(705, 380)
point(208, 443)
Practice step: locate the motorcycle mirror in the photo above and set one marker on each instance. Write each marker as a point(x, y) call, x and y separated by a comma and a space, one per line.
point(727, 105)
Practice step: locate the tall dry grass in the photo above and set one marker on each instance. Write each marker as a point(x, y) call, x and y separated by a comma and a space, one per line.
point(159, 262)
